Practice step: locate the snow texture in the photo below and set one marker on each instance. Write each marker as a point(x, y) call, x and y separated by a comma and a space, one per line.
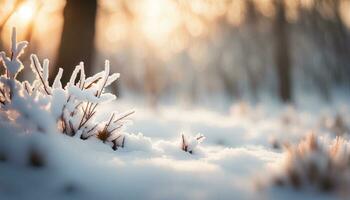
point(63, 142)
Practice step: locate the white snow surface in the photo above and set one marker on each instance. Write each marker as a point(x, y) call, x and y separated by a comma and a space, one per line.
point(233, 162)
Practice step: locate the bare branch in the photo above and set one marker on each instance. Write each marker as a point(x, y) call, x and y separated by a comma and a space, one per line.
point(124, 116)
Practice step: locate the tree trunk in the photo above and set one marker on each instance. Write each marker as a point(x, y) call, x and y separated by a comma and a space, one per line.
point(77, 40)
point(282, 54)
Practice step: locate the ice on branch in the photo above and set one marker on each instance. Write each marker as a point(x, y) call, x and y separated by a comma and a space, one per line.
point(12, 63)
point(70, 109)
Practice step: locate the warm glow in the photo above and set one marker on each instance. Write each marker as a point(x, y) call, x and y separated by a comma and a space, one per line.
point(34, 19)
point(26, 12)
point(158, 19)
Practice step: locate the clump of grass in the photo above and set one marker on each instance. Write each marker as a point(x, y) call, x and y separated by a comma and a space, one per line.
point(316, 163)
point(337, 125)
point(70, 108)
point(189, 144)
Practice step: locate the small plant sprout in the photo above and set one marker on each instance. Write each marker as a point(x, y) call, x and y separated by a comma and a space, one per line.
point(69, 109)
point(189, 144)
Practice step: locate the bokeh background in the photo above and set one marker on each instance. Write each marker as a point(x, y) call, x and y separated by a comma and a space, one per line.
point(194, 52)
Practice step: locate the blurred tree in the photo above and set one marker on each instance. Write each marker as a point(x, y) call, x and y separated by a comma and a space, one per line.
point(282, 54)
point(252, 47)
point(7, 15)
point(324, 26)
point(77, 40)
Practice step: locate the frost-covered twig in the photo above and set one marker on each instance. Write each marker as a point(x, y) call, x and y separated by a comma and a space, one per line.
point(12, 64)
point(189, 145)
point(36, 66)
point(72, 108)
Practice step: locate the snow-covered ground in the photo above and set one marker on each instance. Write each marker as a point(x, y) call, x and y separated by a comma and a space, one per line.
point(62, 142)
point(233, 162)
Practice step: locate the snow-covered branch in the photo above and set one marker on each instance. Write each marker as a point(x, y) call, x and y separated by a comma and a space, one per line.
point(71, 109)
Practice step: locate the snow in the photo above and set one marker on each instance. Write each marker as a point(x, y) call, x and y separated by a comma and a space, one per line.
point(152, 164)
point(54, 146)
point(141, 170)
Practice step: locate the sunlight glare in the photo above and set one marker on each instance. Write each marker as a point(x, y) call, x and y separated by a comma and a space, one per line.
point(26, 12)
point(159, 19)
